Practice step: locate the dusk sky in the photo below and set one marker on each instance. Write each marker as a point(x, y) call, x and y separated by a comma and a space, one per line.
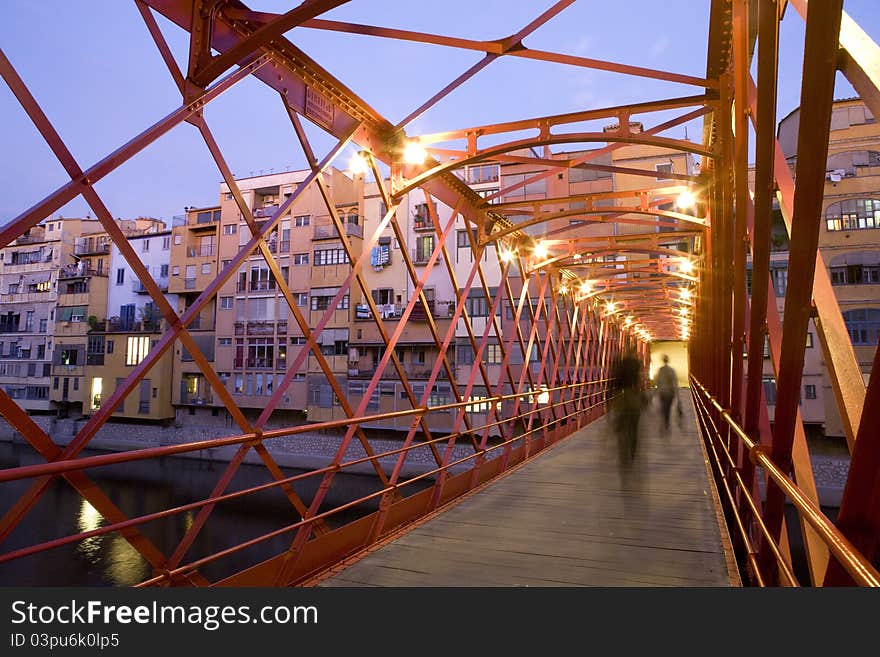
point(98, 76)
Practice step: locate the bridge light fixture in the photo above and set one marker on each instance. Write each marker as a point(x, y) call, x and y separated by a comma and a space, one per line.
point(506, 255)
point(685, 293)
point(686, 200)
point(686, 266)
point(539, 250)
point(585, 287)
point(414, 152)
point(358, 163)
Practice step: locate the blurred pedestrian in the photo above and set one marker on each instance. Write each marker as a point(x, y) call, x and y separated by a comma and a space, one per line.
point(666, 382)
point(626, 385)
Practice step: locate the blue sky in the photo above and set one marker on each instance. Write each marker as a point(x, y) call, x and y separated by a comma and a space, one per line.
point(100, 80)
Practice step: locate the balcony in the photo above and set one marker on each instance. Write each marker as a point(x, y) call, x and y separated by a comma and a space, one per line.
point(79, 270)
point(420, 256)
point(203, 251)
point(117, 325)
point(27, 239)
point(421, 223)
point(88, 247)
point(259, 286)
point(328, 231)
point(194, 399)
point(258, 328)
point(267, 211)
point(140, 288)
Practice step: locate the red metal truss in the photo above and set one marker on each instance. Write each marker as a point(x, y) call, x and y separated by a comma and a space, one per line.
point(569, 282)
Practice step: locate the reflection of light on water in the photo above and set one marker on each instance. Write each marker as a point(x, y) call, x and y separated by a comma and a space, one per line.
point(89, 519)
point(125, 566)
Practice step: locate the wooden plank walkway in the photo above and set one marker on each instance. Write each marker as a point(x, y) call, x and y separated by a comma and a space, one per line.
point(572, 517)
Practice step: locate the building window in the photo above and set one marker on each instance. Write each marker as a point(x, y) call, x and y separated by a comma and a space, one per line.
point(145, 246)
point(226, 303)
point(855, 275)
point(482, 173)
point(138, 348)
point(770, 390)
point(178, 239)
point(302, 298)
point(175, 270)
point(206, 267)
point(853, 214)
point(166, 243)
point(329, 257)
point(297, 340)
point(809, 339)
point(224, 342)
point(810, 391)
point(300, 258)
point(863, 325)
point(493, 354)
point(779, 276)
point(120, 276)
point(230, 229)
point(322, 302)
point(301, 220)
point(665, 167)
point(424, 248)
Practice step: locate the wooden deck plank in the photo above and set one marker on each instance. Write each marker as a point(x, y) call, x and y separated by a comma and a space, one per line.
point(572, 517)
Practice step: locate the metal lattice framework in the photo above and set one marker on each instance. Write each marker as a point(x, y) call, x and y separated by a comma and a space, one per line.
point(588, 307)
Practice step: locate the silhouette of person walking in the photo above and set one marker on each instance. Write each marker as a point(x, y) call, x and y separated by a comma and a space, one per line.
point(627, 405)
point(667, 389)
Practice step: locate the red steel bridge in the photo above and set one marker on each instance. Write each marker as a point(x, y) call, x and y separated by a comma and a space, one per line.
point(698, 294)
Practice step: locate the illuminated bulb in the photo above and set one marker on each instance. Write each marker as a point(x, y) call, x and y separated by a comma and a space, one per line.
point(563, 289)
point(414, 153)
point(357, 164)
point(683, 310)
point(506, 255)
point(685, 293)
point(686, 267)
point(585, 288)
point(609, 307)
point(686, 200)
point(540, 251)
point(577, 256)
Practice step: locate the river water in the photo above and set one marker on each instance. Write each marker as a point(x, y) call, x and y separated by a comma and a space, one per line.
point(140, 488)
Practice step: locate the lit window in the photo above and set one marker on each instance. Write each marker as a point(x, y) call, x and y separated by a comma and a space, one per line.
point(138, 348)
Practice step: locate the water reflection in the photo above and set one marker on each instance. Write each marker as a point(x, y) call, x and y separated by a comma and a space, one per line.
point(146, 487)
point(89, 519)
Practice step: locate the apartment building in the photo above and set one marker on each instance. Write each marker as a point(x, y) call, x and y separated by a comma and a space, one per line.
point(194, 263)
point(849, 242)
point(248, 331)
point(129, 330)
point(29, 272)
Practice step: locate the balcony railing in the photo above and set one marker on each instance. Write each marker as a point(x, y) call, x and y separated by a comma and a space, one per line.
point(202, 251)
point(79, 270)
point(117, 325)
point(139, 288)
point(420, 257)
point(422, 223)
point(89, 248)
point(326, 231)
point(260, 328)
point(266, 211)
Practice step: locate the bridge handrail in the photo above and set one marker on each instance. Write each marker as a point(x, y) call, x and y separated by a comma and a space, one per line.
point(858, 567)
